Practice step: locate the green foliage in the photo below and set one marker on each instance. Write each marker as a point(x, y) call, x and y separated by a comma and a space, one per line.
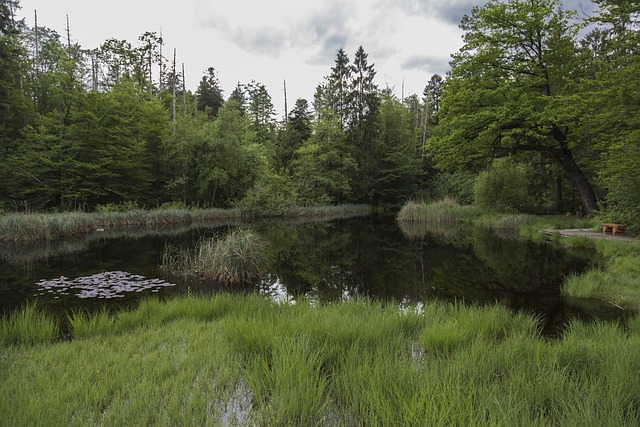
point(270, 196)
point(507, 90)
point(398, 161)
point(119, 207)
point(504, 187)
point(324, 167)
point(457, 185)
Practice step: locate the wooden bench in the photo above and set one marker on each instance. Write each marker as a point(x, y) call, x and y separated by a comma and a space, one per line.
point(613, 228)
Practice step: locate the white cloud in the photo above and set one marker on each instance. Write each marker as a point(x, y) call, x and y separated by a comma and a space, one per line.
point(270, 41)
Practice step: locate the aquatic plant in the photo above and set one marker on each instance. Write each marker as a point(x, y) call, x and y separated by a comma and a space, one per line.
point(445, 211)
point(239, 257)
point(16, 227)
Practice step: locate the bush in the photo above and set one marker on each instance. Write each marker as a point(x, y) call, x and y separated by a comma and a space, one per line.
point(272, 196)
point(503, 187)
point(457, 185)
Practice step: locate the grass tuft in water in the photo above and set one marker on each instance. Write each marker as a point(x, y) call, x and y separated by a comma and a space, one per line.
point(236, 258)
point(445, 211)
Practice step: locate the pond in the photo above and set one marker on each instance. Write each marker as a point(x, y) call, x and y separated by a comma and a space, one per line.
point(324, 260)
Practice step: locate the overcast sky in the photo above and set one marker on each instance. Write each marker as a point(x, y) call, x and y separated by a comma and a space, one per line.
point(276, 40)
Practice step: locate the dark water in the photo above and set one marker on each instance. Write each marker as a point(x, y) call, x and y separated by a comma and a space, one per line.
point(327, 261)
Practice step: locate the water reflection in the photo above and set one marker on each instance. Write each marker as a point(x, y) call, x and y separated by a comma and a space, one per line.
point(326, 261)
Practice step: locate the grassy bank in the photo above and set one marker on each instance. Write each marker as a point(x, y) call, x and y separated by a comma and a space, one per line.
point(246, 361)
point(616, 281)
point(48, 226)
point(16, 227)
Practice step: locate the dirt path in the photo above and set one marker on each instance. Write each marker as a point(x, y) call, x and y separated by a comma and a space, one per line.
point(587, 232)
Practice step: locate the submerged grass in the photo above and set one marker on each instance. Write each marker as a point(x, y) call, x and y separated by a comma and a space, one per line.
point(239, 257)
point(231, 360)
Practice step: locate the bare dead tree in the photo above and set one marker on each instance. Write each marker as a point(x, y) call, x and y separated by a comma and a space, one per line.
point(174, 89)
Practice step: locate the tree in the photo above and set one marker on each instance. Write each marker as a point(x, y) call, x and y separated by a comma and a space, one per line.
point(324, 166)
point(333, 94)
point(295, 133)
point(508, 89)
point(609, 102)
point(363, 109)
point(15, 111)
point(398, 157)
point(230, 160)
point(209, 93)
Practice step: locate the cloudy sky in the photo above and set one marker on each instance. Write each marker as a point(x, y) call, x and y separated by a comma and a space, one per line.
point(270, 41)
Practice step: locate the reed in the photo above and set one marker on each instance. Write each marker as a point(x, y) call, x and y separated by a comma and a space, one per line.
point(239, 257)
point(28, 325)
point(445, 211)
point(49, 226)
point(17, 227)
point(330, 211)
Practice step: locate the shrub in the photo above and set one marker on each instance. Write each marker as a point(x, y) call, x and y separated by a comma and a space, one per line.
point(503, 187)
point(272, 196)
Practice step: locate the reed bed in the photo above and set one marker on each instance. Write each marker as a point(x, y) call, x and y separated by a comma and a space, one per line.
point(239, 257)
point(445, 211)
point(48, 226)
point(15, 227)
point(231, 360)
point(331, 211)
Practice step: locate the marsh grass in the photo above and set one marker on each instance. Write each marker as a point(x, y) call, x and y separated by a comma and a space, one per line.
point(16, 227)
point(28, 325)
point(617, 281)
point(231, 360)
point(49, 226)
point(236, 258)
point(445, 211)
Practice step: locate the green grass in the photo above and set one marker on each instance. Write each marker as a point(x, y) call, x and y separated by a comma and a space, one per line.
point(16, 227)
point(28, 325)
point(232, 360)
point(446, 211)
point(239, 257)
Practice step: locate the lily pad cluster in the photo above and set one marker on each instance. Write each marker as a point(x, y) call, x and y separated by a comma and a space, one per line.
point(108, 284)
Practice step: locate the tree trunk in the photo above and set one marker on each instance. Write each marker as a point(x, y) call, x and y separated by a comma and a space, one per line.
point(579, 182)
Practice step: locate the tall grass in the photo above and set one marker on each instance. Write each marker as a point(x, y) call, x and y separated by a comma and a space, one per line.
point(239, 257)
point(28, 325)
point(17, 227)
point(37, 226)
point(445, 211)
point(331, 211)
point(246, 361)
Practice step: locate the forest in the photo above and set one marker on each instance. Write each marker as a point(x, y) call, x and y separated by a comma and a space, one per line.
point(540, 113)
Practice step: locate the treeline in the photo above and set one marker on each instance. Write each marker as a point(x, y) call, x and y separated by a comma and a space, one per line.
point(540, 113)
point(115, 125)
